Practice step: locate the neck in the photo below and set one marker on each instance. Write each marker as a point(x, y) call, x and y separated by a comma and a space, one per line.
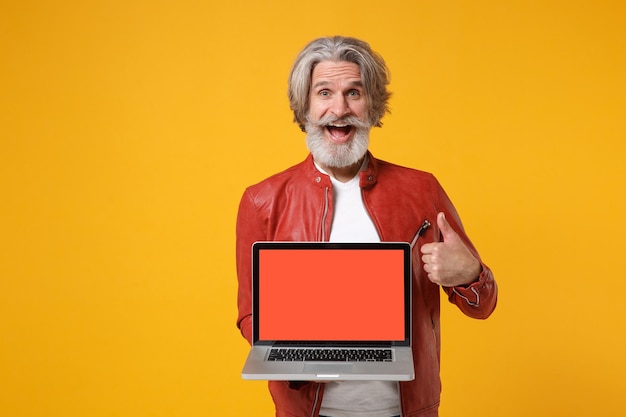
point(343, 174)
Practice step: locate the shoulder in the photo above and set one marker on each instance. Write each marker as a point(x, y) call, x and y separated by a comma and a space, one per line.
point(389, 170)
point(291, 176)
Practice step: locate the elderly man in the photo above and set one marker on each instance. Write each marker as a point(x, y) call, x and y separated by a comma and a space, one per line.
point(341, 192)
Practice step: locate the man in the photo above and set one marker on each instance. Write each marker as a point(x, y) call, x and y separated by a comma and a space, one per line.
point(341, 192)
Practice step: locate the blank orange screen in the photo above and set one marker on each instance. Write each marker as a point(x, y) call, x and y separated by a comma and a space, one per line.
point(342, 295)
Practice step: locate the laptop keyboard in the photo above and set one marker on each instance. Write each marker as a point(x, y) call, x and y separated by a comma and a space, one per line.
point(330, 355)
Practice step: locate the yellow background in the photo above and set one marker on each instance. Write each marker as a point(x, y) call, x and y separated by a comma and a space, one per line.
point(129, 130)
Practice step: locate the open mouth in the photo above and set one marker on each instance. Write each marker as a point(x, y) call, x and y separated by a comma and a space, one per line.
point(339, 133)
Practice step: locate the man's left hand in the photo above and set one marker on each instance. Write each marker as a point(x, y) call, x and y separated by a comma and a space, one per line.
point(449, 263)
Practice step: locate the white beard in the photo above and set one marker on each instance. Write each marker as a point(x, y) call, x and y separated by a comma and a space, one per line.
point(337, 155)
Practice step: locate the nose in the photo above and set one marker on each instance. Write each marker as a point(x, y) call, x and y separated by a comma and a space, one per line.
point(340, 106)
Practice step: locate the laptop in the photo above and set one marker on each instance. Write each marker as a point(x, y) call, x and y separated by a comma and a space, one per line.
point(331, 311)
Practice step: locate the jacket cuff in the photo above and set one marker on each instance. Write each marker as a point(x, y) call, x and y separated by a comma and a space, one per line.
point(471, 292)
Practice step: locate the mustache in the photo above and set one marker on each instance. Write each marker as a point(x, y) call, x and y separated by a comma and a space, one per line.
point(346, 120)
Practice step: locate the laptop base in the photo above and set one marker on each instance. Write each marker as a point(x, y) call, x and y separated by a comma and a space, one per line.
point(257, 368)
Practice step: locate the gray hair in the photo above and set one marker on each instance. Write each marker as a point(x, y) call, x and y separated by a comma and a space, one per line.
point(374, 74)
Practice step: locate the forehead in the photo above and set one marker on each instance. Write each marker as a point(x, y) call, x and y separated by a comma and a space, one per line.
point(333, 71)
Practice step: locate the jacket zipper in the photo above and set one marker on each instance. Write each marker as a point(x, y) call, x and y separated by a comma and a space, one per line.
point(317, 398)
point(323, 239)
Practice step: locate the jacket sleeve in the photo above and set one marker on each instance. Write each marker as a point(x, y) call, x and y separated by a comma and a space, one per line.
point(248, 231)
point(478, 299)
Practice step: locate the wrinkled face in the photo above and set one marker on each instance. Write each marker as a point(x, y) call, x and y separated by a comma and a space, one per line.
point(337, 124)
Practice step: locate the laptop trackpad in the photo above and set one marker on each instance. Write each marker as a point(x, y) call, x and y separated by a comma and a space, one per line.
point(328, 369)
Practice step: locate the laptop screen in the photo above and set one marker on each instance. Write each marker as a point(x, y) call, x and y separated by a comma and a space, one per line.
point(341, 292)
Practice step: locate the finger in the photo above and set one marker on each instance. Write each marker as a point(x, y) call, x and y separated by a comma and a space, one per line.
point(427, 248)
point(432, 273)
point(447, 232)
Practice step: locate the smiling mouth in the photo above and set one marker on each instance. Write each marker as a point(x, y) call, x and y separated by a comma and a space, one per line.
point(339, 133)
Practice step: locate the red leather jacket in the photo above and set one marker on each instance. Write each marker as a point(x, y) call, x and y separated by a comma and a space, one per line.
point(297, 205)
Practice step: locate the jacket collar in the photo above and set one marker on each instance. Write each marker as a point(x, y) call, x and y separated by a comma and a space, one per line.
point(368, 177)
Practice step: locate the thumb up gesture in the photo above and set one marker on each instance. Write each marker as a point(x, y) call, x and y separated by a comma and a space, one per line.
point(449, 263)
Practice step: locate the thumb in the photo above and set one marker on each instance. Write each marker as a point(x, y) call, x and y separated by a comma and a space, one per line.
point(446, 230)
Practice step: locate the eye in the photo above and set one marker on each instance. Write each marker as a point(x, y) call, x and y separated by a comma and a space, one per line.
point(354, 93)
point(324, 93)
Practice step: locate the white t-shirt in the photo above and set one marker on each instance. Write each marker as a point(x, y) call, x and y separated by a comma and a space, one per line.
point(352, 223)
